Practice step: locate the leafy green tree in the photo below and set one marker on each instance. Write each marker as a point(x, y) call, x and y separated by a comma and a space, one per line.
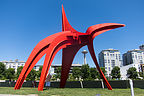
point(39, 72)
point(85, 71)
point(141, 74)
point(2, 70)
point(93, 73)
point(132, 73)
point(76, 72)
point(10, 73)
point(19, 69)
point(54, 77)
point(32, 75)
point(58, 73)
point(115, 73)
point(104, 72)
point(71, 78)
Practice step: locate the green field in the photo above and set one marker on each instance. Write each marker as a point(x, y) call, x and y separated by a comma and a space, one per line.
point(72, 91)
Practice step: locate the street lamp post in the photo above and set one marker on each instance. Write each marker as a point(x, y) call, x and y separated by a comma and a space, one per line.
point(84, 52)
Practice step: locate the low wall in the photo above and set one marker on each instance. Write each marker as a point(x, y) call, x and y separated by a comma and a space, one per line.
point(86, 84)
point(138, 84)
point(119, 84)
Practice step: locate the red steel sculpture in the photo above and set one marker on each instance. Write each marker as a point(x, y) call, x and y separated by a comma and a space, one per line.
point(70, 41)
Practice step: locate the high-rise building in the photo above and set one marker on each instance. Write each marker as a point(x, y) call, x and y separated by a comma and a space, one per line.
point(135, 56)
point(132, 58)
point(109, 58)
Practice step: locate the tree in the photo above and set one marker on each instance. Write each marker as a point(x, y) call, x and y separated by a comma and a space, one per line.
point(141, 74)
point(10, 73)
point(76, 72)
point(104, 72)
point(19, 69)
point(31, 76)
point(93, 73)
point(58, 73)
point(70, 77)
point(54, 77)
point(2, 70)
point(85, 71)
point(115, 73)
point(132, 73)
point(39, 72)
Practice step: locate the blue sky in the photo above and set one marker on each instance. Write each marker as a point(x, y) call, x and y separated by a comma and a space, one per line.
point(23, 23)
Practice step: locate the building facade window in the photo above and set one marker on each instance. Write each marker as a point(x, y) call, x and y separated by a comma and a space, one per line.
point(141, 62)
point(108, 61)
point(113, 63)
point(105, 61)
point(109, 69)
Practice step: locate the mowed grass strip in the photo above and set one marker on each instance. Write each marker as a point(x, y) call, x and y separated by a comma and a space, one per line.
point(71, 91)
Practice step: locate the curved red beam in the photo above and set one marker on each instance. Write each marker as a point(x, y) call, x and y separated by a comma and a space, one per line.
point(98, 29)
point(70, 41)
point(38, 52)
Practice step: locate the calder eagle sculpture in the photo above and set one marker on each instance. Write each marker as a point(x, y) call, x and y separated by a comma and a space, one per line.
point(70, 41)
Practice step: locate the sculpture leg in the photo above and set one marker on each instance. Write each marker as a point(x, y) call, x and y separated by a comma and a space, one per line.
point(53, 49)
point(47, 63)
point(32, 60)
point(37, 53)
point(44, 72)
point(90, 47)
point(67, 59)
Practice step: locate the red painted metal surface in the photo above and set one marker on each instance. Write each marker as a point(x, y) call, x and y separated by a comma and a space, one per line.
point(70, 41)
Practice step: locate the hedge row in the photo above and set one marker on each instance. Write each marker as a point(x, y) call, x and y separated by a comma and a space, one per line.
point(86, 84)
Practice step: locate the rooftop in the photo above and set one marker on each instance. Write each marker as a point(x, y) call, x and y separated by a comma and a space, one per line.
point(11, 61)
point(110, 50)
point(136, 50)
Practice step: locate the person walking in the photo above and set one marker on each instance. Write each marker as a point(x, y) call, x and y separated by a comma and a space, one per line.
point(48, 81)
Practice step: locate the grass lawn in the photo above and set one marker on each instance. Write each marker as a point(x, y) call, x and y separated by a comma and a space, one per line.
point(72, 91)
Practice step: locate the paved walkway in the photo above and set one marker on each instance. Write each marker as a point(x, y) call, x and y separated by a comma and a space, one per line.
point(18, 95)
